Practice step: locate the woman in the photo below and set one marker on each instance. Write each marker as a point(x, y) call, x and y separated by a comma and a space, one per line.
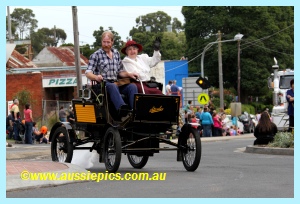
point(265, 130)
point(206, 121)
point(141, 64)
point(217, 124)
point(28, 124)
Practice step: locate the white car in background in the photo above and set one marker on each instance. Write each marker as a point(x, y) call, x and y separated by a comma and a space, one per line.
point(228, 121)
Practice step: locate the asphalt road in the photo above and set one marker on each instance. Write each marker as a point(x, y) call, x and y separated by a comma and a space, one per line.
point(225, 171)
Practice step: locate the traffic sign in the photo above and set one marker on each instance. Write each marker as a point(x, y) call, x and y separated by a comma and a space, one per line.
point(203, 98)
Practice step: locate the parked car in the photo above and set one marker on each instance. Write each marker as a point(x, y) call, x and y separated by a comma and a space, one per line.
point(247, 121)
point(240, 125)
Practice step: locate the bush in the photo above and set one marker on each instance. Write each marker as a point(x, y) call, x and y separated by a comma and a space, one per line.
point(283, 140)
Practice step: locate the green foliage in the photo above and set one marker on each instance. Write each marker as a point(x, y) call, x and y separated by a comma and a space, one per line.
point(24, 96)
point(268, 33)
point(248, 108)
point(283, 140)
point(117, 39)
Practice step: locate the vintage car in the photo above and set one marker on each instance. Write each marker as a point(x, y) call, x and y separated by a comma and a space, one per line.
point(138, 137)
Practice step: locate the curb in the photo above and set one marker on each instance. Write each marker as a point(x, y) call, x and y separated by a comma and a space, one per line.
point(269, 150)
point(14, 182)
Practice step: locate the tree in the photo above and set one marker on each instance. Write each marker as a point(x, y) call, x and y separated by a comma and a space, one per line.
point(268, 33)
point(46, 37)
point(24, 20)
point(118, 43)
point(158, 22)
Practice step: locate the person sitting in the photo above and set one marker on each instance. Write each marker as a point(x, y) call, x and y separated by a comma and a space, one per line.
point(265, 130)
point(37, 135)
point(105, 65)
point(141, 64)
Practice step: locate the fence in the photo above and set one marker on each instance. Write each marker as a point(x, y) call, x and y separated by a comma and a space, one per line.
point(50, 111)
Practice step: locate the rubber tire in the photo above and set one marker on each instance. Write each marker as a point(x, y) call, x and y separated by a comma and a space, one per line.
point(194, 165)
point(67, 145)
point(112, 133)
point(140, 164)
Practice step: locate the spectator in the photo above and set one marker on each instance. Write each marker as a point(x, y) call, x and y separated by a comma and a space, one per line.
point(62, 114)
point(206, 121)
point(290, 100)
point(15, 112)
point(217, 124)
point(37, 135)
point(257, 116)
point(198, 112)
point(187, 107)
point(71, 117)
point(9, 126)
point(265, 130)
point(168, 88)
point(28, 124)
point(174, 89)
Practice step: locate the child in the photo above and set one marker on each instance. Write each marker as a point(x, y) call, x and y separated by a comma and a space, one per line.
point(38, 136)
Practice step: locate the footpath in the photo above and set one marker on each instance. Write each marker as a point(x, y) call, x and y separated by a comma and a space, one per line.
point(19, 165)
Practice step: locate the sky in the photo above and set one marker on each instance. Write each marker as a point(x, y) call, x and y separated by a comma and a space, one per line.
point(90, 18)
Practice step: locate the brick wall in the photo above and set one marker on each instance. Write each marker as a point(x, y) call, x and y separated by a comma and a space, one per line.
point(30, 82)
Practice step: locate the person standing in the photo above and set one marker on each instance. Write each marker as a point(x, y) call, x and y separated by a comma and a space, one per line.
point(62, 114)
point(265, 130)
point(290, 100)
point(71, 117)
point(9, 126)
point(28, 124)
point(168, 88)
point(141, 64)
point(206, 122)
point(174, 89)
point(217, 127)
point(15, 112)
point(105, 65)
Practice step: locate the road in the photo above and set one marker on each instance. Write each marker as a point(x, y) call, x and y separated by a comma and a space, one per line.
point(225, 171)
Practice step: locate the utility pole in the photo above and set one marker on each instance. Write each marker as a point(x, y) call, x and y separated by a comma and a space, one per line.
point(220, 70)
point(239, 71)
point(9, 26)
point(54, 35)
point(76, 49)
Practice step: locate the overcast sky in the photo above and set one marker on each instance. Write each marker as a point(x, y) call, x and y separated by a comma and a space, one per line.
point(90, 18)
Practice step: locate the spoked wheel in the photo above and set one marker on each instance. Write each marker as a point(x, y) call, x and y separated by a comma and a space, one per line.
point(61, 148)
point(191, 154)
point(137, 162)
point(112, 150)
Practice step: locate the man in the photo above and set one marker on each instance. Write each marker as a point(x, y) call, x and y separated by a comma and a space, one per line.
point(105, 65)
point(168, 88)
point(15, 112)
point(62, 114)
point(290, 100)
point(174, 89)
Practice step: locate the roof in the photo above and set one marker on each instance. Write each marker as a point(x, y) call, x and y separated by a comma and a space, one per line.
point(67, 56)
point(17, 60)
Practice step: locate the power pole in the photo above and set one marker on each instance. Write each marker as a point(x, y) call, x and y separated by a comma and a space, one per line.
point(76, 49)
point(239, 72)
point(9, 26)
point(220, 70)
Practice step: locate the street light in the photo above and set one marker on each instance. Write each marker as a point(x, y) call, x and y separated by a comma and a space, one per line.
point(237, 37)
